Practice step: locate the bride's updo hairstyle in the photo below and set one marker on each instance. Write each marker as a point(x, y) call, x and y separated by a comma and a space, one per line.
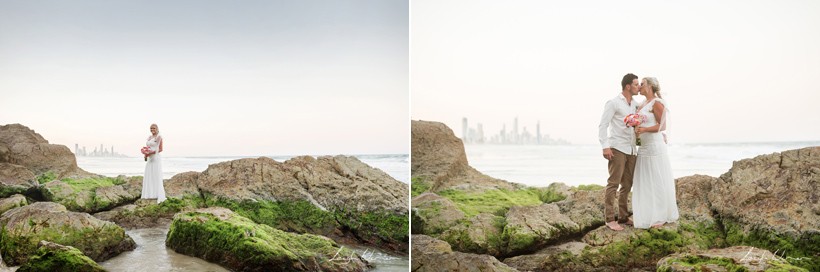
point(656, 87)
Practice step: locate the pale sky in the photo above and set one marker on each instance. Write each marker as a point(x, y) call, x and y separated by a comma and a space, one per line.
point(218, 77)
point(731, 71)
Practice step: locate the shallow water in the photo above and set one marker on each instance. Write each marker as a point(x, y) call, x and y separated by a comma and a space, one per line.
point(152, 255)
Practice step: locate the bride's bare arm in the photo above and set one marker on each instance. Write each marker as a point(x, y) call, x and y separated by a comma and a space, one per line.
point(657, 110)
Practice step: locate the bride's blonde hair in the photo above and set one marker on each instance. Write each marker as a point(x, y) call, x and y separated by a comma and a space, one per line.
point(656, 87)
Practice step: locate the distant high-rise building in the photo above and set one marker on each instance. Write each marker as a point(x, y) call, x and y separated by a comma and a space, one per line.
point(515, 130)
point(464, 130)
point(480, 129)
point(538, 132)
point(76, 149)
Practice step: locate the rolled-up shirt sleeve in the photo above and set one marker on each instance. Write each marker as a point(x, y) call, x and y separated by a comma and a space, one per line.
point(609, 112)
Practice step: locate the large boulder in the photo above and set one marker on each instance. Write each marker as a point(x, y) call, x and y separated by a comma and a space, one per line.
point(325, 195)
point(52, 257)
point(737, 258)
point(338, 182)
point(24, 147)
point(219, 235)
point(439, 159)
point(778, 192)
point(430, 254)
point(26, 226)
point(773, 202)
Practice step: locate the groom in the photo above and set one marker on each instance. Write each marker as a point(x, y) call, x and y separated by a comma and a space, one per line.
point(619, 148)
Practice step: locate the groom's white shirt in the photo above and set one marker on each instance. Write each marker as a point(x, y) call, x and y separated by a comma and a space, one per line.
point(620, 136)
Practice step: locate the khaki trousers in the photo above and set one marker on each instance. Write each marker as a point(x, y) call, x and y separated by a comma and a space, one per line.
point(621, 170)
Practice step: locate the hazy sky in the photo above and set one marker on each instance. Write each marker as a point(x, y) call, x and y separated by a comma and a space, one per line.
point(218, 77)
point(731, 71)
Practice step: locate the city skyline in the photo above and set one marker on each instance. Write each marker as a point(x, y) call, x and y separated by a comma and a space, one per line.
point(102, 152)
point(475, 135)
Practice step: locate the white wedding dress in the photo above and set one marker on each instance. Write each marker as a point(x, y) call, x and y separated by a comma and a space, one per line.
point(653, 186)
point(152, 187)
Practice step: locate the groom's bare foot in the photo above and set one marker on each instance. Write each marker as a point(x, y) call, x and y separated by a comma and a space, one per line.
point(614, 226)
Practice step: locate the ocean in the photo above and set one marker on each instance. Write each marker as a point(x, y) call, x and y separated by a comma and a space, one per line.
point(397, 166)
point(574, 165)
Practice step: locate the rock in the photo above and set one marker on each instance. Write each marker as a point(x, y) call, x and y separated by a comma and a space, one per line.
point(603, 236)
point(777, 192)
point(46, 221)
point(92, 194)
point(15, 179)
point(481, 234)
point(773, 202)
point(12, 202)
point(29, 149)
point(693, 203)
point(221, 236)
point(437, 213)
point(430, 254)
point(328, 182)
point(737, 258)
point(182, 184)
point(52, 257)
point(146, 213)
point(439, 159)
point(532, 227)
point(539, 260)
point(585, 208)
point(349, 196)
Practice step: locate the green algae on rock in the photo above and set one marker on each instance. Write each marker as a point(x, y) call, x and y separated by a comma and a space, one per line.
point(222, 236)
point(52, 257)
point(12, 202)
point(24, 227)
point(92, 194)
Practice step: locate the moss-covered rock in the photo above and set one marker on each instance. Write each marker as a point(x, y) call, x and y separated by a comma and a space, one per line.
point(51, 257)
point(12, 202)
point(737, 258)
point(92, 194)
point(480, 234)
point(436, 214)
point(430, 254)
point(24, 227)
point(15, 179)
point(336, 196)
point(146, 213)
point(498, 201)
point(222, 236)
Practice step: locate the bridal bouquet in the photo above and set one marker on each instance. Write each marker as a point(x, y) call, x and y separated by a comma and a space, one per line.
point(634, 120)
point(145, 151)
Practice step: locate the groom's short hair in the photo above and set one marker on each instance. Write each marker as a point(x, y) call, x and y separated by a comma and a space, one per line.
point(628, 78)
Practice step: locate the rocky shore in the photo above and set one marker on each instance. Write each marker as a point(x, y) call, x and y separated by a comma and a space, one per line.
point(466, 221)
point(297, 214)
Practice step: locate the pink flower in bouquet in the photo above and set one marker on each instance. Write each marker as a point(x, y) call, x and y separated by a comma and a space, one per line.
point(634, 120)
point(145, 150)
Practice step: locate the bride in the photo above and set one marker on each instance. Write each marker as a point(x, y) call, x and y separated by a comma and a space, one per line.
point(152, 187)
point(653, 196)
